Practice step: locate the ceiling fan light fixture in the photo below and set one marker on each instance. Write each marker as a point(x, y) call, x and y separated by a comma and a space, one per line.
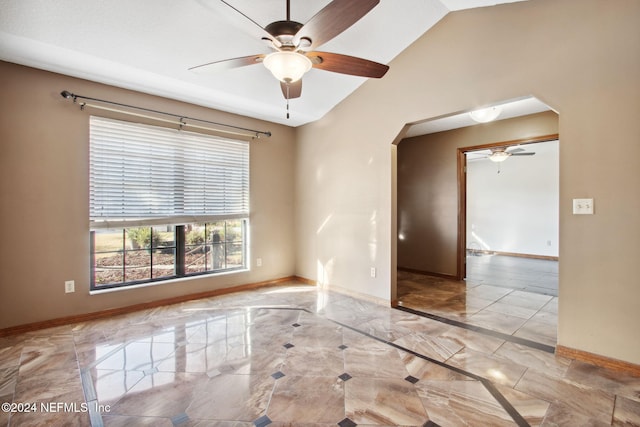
point(499, 156)
point(485, 115)
point(288, 67)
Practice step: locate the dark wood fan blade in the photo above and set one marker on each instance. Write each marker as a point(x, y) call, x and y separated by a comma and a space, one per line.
point(515, 150)
point(227, 64)
point(336, 17)
point(345, 64)
point(291, 90)
point(523, 154)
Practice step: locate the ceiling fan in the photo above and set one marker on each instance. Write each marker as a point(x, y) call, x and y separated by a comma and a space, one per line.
point(294, 43)
point(500, 154)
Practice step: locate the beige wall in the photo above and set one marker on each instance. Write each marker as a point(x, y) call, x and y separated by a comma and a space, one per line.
point(428, 187)
point(44, 187)
point(582, 57)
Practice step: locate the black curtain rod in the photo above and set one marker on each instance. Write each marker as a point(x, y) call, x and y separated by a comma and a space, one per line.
point(68, 95)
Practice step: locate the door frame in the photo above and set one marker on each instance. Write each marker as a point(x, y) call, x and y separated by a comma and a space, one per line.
point(461, 269)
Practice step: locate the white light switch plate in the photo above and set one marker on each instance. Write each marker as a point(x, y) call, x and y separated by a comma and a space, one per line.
point(583, 206)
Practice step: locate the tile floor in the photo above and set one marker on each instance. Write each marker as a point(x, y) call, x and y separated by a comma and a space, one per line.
point(296, 355)
point(526, 274)
point(505, 311)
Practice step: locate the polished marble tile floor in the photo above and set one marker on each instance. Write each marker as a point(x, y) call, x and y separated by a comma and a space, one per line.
point(526, 317)
point(296, 355)
point(526, 274)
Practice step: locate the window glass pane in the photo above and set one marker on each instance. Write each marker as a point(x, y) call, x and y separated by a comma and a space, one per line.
point(217, 246)
point(137, 265)
point(216, 233)
point(234, 230)
point(235, 255)
point(164, 262)
point(108, 274)
point(138, 237)
point(235, 244)
point(108, 259)
point(137, 258)
point(196, 249)
point(163, 256)
point(163, 237)
point(108, 241)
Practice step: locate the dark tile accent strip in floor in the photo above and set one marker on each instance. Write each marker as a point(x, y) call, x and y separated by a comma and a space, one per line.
point(262, 421)
point(347, 423)
point(506, 337)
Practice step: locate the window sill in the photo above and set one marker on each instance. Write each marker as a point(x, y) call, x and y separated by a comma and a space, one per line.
point(164, 282)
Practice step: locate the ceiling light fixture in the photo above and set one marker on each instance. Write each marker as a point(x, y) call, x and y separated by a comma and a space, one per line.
point(286, 66)
point(485, 115)
point(499, 156)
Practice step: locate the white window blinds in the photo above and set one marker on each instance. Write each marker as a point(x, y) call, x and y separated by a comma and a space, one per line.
point(145, 175)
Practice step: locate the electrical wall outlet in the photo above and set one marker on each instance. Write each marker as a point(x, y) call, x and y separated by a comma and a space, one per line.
point(69, 286)
point(373, 272)
point(258, 262)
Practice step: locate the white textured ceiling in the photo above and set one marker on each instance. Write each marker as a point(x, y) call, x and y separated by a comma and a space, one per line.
point(148, 46)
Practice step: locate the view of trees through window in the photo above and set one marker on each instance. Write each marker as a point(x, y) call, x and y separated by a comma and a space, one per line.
point(143, 254)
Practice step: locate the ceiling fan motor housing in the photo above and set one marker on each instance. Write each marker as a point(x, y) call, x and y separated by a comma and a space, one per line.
point(284, 31)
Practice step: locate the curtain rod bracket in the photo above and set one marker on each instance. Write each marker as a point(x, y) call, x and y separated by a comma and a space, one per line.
point(181, 119)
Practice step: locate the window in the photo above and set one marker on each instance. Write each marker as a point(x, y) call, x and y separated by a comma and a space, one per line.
point(165, 203)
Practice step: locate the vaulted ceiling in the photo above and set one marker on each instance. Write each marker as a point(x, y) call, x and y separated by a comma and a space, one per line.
point(149, 46)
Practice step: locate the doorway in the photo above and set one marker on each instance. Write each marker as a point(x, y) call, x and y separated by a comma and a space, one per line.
point(431, 240)
point(509, 227)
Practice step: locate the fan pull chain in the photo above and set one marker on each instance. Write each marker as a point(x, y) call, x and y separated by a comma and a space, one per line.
point(288, 101)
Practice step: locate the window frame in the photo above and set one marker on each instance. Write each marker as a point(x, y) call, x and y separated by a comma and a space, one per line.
point(179, 220)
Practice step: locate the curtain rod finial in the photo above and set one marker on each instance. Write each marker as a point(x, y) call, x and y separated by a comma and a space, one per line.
point(66, 94)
